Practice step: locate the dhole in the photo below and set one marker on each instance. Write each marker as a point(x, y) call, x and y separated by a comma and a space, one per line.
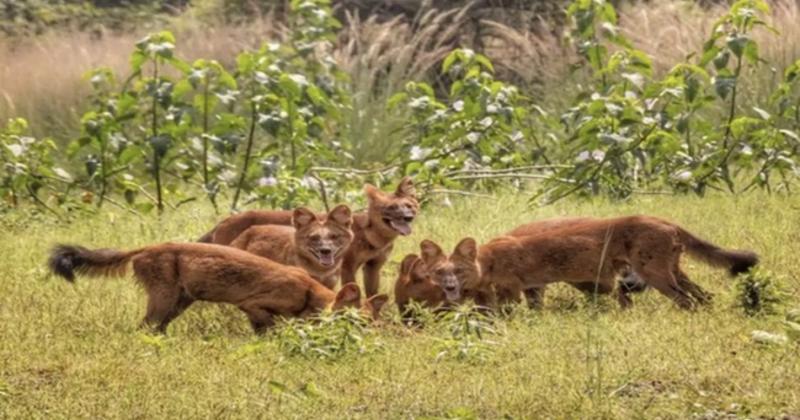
point(175, 275)
point(630, 283)
point(415, 285)
point(387, 216)
point(597, 249)
point(314, 244)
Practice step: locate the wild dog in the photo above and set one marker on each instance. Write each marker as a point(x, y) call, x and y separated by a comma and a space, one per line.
point(314, 244)
point(599, 249)
point(374, 231)
point(448, 270)
point(175, 275)
point(630, 283)
point(414, 284)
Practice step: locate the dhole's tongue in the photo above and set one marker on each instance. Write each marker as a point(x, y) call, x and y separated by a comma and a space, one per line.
point(401, 227)
point(326, 259)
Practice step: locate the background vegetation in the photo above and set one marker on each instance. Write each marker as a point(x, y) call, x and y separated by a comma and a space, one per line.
point(272, 107)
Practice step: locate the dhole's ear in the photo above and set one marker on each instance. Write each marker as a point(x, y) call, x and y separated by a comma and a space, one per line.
point(419, 271)
point(430, 251)
point(408, 263)
point(467, 248)
point(375, 304)
point(341, 214)
point(349, 295)
point(302, 217)
point(372, 192)
point(406, 188)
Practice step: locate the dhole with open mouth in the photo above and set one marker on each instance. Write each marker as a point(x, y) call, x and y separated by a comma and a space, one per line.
point(175, 275)
point(374, 231)
point(314, 244)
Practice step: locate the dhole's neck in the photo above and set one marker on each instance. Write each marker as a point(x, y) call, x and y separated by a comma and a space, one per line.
point(376, 235)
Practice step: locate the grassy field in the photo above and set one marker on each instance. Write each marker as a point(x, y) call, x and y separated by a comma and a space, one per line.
point(75, 351)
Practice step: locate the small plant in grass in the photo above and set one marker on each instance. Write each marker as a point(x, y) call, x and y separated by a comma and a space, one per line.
point(468, 329)
point(759, 292)
point(28, 167)
point(327, 336)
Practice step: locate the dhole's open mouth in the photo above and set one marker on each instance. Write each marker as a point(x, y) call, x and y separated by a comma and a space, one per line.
point(452, 293)
point(325, 257)
point(401, 226)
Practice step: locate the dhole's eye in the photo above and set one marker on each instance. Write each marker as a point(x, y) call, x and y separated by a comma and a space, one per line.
point(393, 207)
point(334, 237)
point(314, 237)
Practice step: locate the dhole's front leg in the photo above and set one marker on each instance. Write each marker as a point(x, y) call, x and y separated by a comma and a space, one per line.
point(372, 275)
point(348, 270)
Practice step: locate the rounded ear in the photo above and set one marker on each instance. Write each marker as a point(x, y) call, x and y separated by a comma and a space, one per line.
point(408, 263)
point(406, 188)
point(430, 251)
point(375, 304)
point(467, 248)
point(302, 217)
point(341, 214)
point(419, 271)
point(348, 295)
point(372, 192)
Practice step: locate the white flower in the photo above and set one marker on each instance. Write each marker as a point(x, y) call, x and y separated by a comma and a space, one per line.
point(473, 137)
point(683, 176)
point(491, 109)
point(267, 181)
point(598, 155)
point(458, 106)
point(418, 153)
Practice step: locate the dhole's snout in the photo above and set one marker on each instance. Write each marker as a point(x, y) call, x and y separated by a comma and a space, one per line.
point(325, 254)
point(451, 287)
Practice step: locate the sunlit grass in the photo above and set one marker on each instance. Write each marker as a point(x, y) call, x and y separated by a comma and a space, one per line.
point(74, 350)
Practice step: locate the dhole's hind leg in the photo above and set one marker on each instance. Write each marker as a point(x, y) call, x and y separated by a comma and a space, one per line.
point(163, 305)
point(702, 296)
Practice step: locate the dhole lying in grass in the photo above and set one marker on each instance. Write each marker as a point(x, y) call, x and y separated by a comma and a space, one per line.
point(374, 231)
point(314, 244)
point(414, 284)
point(174, 275)
point(630, 283)
point(595, 249)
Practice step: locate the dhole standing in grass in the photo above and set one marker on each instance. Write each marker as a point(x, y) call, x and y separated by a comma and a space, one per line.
point(175, 275)
point(374, 231)
point(314, 244)
point(595, 249)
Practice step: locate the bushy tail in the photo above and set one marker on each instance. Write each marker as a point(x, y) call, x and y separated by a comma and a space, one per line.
point(736, 261)
point(66, 260)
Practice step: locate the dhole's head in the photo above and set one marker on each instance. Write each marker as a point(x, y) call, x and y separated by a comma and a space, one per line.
point(323, 242)
point(396, 211)
point(453, 271)
point(350, 297)
point(414, 284)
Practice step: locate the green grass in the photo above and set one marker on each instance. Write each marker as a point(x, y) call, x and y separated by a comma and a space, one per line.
point(71, 351)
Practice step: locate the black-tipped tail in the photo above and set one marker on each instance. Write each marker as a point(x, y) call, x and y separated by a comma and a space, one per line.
point(67, 260)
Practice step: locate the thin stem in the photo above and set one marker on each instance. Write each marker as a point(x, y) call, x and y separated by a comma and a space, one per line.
point(103, 171)
point(156, 157)
point(205, 132)
point(247, 153)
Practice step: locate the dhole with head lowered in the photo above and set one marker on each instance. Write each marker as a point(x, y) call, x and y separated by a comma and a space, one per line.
point(314, 244)
point(174, 275)
point(630, 283)
point(597, 249)
point(414, 284)
point(374, 231)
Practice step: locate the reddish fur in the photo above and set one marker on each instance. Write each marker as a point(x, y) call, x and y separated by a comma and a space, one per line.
point(599, 249)
point(289, 245)
point(176, 275)
point(372, 237)
point(414, 284)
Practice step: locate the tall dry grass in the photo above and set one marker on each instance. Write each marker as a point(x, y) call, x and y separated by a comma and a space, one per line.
point(42, 79)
